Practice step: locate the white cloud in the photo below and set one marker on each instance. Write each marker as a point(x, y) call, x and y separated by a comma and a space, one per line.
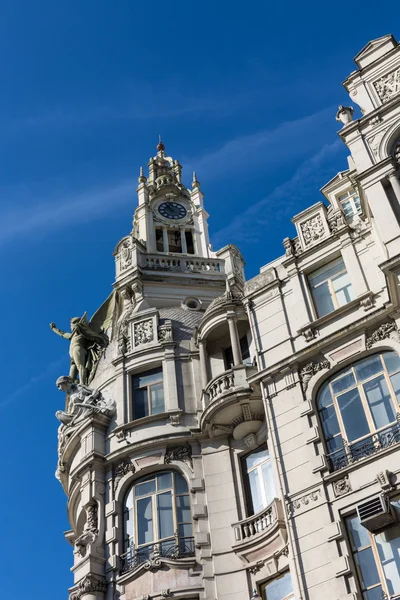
point(254, 223)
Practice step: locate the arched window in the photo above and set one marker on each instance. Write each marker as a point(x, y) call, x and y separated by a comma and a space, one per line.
point(158, 519)
point(358, 408)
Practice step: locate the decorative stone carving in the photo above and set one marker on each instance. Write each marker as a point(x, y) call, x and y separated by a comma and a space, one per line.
point(388, 86)
point(310, 333)
point(345, 114)
point(181, 453)
point(396, 153)
point(143, 332)
point(126, 254)
point(367, 303)
point(374, 143)
point(375, 120)
point(384, 481)
point(288, 245)
point(335, 219)
point(297, 246)
point(88, 585)
point(312, 229)
point(165, 333)
point(310, 370)
point(295, 505)
point(174, 420)
point(124, 341)
point(384, 331)
point(122, 469)
point(165, 593)
point(90, 531)
point(341, 486)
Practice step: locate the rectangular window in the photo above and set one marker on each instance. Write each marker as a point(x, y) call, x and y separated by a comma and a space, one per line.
point(159, 240)
point(174, 240)
point(330, 287)
point(189, 242)
point(148, 393)
point(259, 480)
point(350, 203)
point(279, 588)
point(377, 559)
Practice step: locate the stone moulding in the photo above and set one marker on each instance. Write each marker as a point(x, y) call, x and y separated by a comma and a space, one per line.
point(88, 585)
point(296, 505)
point(384, 331)
point(179, 453)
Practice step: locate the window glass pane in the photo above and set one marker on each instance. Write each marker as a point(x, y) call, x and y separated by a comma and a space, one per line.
point(164, 480)
point(343, 382)
point(368, 570)
point(379, 401)
point(392, 361)
point(255, 491)
point(353, 416)
point(147, 487)
point(129, 502)
point(140, 404)
point(279, 588)
point(344, 196)
point(256, 457)
point(388, 544)
point(269, 486)
point(343, 289)
point(157, 398)
point(368, 367)
point(347, 208)
point(334, 443)
point(374, 594)
point(185, 531)
point(329, 421)
point(183, 509)
point(146, 378)
point(165, 518)
point(324, 396)
point(358, 534)
point(145, 520)
point(129, 525)
point(327, 272)
point(322, 300)
point(395, 379)
point(181, 486)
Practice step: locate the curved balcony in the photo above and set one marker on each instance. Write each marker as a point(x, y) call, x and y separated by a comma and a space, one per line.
point(230, 405)
point(261, 535)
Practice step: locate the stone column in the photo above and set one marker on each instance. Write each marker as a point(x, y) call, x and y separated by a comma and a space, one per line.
point(395, 183)
point(165, 239)
point(233, 334)
point(183, 242)
point(204, 364)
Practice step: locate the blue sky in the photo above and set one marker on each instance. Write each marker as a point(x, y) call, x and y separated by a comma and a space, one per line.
point(246, 94)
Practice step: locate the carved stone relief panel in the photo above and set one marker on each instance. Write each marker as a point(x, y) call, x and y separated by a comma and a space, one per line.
point(388, 86)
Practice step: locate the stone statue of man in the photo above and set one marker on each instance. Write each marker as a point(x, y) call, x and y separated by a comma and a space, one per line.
point(85, 348)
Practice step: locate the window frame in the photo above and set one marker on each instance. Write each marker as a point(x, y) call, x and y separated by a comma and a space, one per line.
point(247, 487)
point(382, 583)
point(263, 587)
point(359, 386)
point(147, 387)
point(329, 281)
point(349, 195)
point(129, 539)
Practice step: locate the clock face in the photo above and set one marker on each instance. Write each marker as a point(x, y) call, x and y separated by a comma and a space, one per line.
point(172, 210)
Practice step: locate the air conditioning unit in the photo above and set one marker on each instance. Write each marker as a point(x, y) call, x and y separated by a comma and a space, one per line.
point(376, 514)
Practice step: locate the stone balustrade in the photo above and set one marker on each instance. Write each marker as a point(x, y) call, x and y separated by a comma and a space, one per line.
point(182, 264)
point(252, 527)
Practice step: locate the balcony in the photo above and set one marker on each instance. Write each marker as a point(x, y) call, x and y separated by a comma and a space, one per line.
point(352, 453)
point(152, 556)
point(180, 264)
point(230, 405)
point(262, 534)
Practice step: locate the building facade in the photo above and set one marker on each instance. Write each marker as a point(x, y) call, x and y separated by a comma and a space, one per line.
point(233, 439)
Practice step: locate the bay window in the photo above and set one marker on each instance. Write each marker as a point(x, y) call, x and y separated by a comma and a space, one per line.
point(330, 287)
point(158, 519)
point(359, 407)
point(260, 488)
point(148, 393)
point(377, 559)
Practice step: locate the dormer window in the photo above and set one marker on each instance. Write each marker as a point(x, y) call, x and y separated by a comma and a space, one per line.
point(350, 203)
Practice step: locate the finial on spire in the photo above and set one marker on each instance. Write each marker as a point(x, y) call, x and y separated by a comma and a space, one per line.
point(195, 182)
point(160, 145)
point(142, 178)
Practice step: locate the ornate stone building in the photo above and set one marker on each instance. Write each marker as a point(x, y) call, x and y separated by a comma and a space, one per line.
point(235, 439)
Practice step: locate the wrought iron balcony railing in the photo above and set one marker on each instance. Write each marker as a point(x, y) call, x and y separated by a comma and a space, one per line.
point(149, 556)
point(351, 453)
